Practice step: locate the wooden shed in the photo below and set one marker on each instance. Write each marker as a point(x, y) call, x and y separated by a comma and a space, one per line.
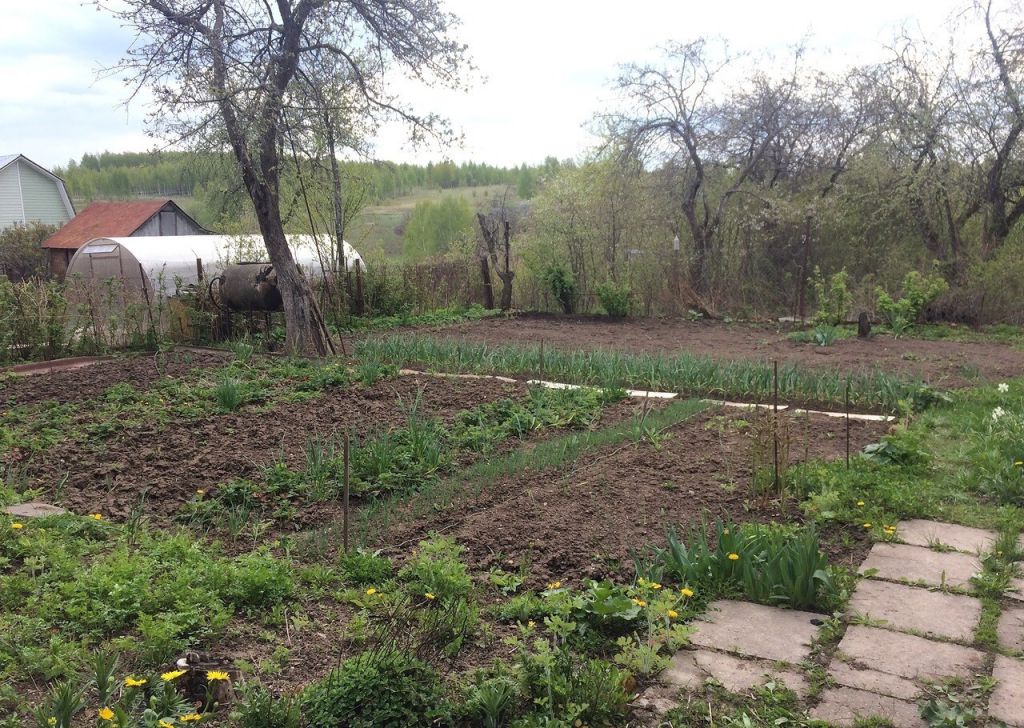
point(140, 218)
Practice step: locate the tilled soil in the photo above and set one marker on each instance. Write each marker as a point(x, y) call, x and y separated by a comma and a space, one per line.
point(76, 385)
point(586, 521)
point(943, 364)
point(169, 463)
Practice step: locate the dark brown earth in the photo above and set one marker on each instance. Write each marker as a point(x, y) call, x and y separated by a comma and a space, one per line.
point(77, 384)
point(169, 463)
point(942, 364)
point(585, 521)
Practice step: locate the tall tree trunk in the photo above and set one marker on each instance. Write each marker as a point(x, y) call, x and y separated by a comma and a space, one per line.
point(306, 333)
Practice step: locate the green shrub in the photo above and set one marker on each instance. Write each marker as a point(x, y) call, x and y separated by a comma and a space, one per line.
point(562, 284)
point(918, 292)
point(363, 568)
point(834, 298)
point(375, 690)
point(436, 569)
point(614, 298)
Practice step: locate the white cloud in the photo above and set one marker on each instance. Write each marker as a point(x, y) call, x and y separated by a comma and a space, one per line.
point(547, 64)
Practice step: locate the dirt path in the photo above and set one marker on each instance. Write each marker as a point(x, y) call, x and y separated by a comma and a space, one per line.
point(942, 364)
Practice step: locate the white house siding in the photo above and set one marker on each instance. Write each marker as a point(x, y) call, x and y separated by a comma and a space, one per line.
point(10, 197)
point(41, 195)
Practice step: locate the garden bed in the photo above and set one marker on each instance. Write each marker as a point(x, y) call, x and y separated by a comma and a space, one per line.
point(942, 364)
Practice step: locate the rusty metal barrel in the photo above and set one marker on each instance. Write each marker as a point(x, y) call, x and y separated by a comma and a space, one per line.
point(249, 287)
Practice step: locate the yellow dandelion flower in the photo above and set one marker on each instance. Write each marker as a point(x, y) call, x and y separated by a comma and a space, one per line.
point(199, 491)
point(554, 585)
point(672, 614)
point(17, 526)
point(725, 531)
point(641, 581)
point(191, 718)
point(214, 675)
point(1018, 463)
point(164, 724)
point(430, 596)
point(655, 585)
point(734, 557)
point(686, 592)
point(52, 720)
point(860, 504)
point(96, 516)
point(172, 675)
point(867, 525)
point(105, 713)
point(531, 624)
point(639, 602)
point(371, 591)
point(134, 683)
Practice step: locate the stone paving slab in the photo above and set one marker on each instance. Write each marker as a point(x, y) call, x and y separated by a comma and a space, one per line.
point(1011, 628)
point(908, 656)
point(757, 631)
point(918, 532)
point(33, 510)
point(899, 562)
point(690, 669)
point(844, 706)
point(873, 681)
point(1016, 590)
point(913, 609)
point(1007, 700)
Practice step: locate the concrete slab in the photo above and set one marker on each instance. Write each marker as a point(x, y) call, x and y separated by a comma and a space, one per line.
point(1007, 700)
point(845, 706)
point(690, 669)
point(1010, 629)
point(918, 532)
point(908, 656)
point(917, 565)
point(914, 609)
point(1016, 590)
point(33, 509)
point(755, 630)
point(873, 681)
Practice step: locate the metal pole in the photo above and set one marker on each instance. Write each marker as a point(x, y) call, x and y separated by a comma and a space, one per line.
point(775, 426)
point(345, 495)
point(847, 404)
point(542, 358)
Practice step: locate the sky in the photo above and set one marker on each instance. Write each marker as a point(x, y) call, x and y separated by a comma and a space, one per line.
point(544, 68)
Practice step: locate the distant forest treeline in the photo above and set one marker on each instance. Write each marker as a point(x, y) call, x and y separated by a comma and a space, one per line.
point(124, 175)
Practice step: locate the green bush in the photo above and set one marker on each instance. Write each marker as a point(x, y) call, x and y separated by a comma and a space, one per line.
point(562, 284)
point(918, 292)
point(436, 569)
point(375, 690)
point(834, 298)
point(362, 568)
point(614, 298)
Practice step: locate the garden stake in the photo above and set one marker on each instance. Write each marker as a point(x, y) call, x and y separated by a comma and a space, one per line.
point(542, 358)
point(775, 426)
point(344, 498)
point(847, 423)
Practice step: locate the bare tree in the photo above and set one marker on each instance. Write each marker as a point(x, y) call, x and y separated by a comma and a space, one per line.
point(497, 229)
point(225, 73)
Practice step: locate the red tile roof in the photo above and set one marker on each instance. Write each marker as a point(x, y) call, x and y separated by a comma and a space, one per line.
point(104, 220)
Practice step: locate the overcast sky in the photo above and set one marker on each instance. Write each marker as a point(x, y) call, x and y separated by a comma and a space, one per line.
point(547, 65)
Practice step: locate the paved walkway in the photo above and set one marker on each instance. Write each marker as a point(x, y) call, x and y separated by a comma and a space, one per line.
point(911, 621)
